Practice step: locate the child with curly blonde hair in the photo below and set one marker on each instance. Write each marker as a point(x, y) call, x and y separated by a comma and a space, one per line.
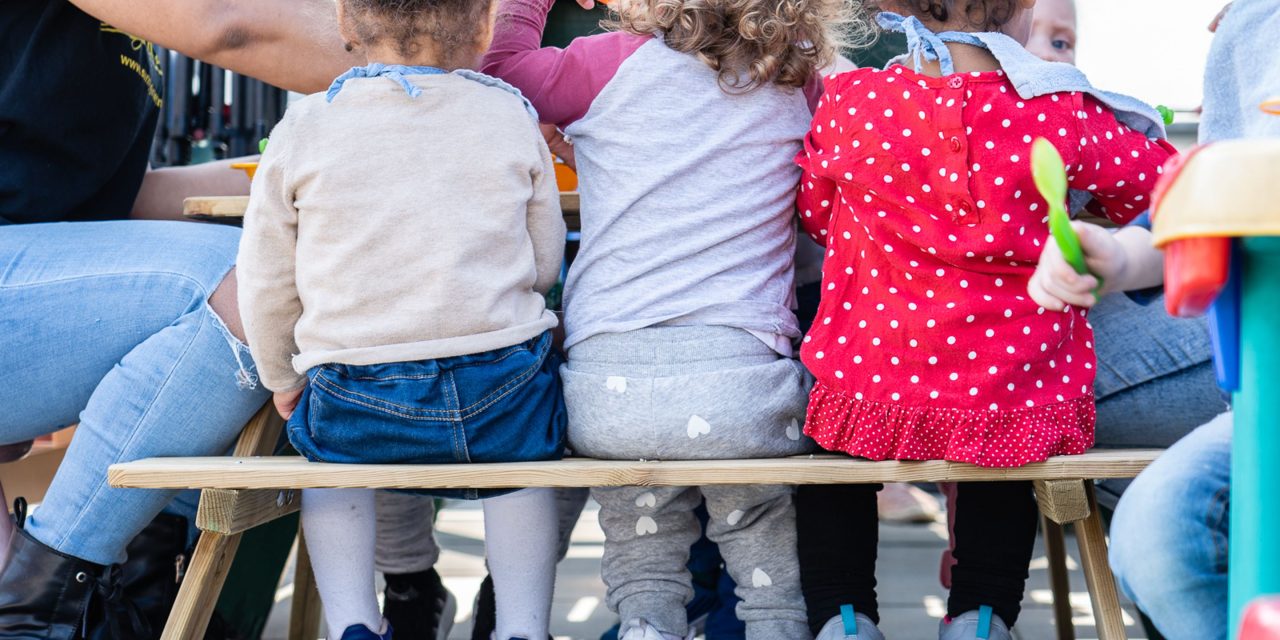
point(678, 307)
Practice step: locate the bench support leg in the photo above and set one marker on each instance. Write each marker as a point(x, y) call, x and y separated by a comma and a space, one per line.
point(1107, 613)
point(1055, 549)
point(304, 617)
point(200, 588)
point(214, 552)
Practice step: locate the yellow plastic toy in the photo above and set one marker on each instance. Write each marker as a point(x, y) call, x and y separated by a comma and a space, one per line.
point(249, 168)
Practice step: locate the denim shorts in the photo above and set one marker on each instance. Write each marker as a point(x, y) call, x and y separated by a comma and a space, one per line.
point(504, 405)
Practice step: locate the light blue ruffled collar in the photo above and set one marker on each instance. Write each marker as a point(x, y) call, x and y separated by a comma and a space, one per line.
point(395, 72)
point(923, 44)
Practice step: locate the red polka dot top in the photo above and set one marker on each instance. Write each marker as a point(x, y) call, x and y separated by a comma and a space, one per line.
point(926, 346)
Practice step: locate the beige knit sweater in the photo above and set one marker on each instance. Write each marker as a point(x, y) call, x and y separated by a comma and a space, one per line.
point(384, 228)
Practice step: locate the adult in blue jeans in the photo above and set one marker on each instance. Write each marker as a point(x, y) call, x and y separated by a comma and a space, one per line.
point(1169, 535)
point(127, 327)
point(1170, 532)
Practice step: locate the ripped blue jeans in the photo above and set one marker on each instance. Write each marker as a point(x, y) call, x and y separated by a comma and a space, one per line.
point(106, 324)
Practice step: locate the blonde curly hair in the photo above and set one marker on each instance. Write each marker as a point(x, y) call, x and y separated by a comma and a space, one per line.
point(750, 43)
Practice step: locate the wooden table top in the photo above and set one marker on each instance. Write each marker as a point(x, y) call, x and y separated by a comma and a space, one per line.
point(231, 207)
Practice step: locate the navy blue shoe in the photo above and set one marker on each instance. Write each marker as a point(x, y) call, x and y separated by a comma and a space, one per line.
point(361, 632)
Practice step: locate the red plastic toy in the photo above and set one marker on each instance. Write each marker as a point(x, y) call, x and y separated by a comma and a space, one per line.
point(1261, 620)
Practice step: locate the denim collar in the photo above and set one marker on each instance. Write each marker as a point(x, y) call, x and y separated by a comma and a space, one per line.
point(395, 72)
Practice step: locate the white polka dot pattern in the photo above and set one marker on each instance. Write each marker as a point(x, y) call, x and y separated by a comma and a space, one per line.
point(931, 234)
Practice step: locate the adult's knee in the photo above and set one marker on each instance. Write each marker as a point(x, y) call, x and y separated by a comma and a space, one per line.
point(225, 304)
point(1163, 536)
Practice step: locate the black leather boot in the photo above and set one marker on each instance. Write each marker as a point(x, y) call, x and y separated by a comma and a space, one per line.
point(150, 577)
point(45, 595)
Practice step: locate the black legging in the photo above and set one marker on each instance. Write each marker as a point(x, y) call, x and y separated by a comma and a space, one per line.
point(838, 532)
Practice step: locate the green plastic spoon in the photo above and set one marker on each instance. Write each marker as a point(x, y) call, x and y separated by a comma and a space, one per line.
point(1051, 179)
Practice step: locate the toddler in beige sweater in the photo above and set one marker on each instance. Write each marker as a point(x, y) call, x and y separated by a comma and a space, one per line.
point(401, 233)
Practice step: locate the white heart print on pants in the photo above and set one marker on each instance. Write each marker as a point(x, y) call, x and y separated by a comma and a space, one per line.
point(698, 426)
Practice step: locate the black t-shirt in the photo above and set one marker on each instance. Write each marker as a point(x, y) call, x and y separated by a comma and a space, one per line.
point(78, 107)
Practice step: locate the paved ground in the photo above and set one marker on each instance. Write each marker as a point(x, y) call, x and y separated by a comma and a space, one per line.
point(911, 599)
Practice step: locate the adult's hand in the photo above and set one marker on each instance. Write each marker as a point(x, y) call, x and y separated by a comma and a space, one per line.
point(293, 44)
point(559, 145)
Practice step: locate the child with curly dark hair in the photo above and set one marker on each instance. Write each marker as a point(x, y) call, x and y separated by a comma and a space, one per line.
point(401, 234)
point(919, 184)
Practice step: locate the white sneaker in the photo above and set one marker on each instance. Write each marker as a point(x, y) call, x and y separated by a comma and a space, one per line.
point(968, 626)
point(863, 629)
point(638, 629)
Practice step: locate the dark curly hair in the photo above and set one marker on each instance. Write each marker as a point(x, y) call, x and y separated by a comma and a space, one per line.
point(986, 15)
point(453, 26)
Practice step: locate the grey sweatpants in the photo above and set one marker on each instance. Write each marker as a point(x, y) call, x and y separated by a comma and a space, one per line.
point(692, 393)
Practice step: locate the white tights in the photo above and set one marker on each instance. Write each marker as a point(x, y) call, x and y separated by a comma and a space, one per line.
point(521, 537)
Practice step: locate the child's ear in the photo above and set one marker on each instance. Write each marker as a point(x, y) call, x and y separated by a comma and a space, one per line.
point(485, 37)
point(344, 27)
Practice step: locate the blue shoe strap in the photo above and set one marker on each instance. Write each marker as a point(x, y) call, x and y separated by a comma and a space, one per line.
point(850, 622)
point(984, 622)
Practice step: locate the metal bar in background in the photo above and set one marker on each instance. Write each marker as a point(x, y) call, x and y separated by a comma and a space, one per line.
point(217, 101)
point(177, 101)
point(229, 112)
point(259, 120)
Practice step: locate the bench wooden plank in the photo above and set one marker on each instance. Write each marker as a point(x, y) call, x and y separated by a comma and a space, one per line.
point(229, 511)
point(293, 472)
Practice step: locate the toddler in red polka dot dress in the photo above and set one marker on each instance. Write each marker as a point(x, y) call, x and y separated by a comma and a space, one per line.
point(918, 183)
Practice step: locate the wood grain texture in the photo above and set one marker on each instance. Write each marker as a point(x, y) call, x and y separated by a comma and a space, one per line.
point(215, 206)
point(200, 588)
point(304, 615)
point(214, 552)
point(260, 433)
point(223, 207)
point(1055, 551)
point(1062, 501)
point(228, 511)
point(1107, 614)
point(287, 472)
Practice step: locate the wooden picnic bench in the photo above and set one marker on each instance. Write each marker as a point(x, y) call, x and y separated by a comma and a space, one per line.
point(251, 488)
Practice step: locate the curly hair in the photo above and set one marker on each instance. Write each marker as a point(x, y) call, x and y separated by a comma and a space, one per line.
point(749, 43)
point(987, 15)
point(454, 26)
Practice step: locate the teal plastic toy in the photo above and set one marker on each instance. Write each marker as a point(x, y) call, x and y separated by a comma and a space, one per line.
point(1217, 215)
